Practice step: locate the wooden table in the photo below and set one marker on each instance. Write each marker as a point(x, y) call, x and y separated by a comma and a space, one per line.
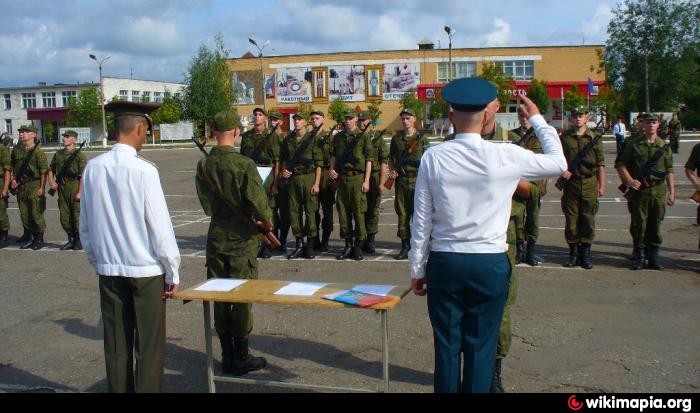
point(263, 292)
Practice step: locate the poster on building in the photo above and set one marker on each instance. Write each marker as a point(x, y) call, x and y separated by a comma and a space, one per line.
point(320, 83)
point(374, 82)
point(294, 84)
point(346, 83)
point(399, 79)
point(245, 84)
point(270, 86)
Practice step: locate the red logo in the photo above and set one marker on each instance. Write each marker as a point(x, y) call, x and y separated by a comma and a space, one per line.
point(573, 404)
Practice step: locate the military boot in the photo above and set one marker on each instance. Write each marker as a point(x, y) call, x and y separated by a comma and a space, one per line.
point(368, 245)
point(324, 241)
point(347, 251)
point(38, 241)
point(298, 249)
point(283, 239)
point(30, 244)
point(77, 245)
point(519, 252)
point(586, 256)
point(226, 353)
point(654, 262)
point(316, 243)
point(3, 238)
point(309, 248)
point(263, 252)
point(639, 261)
point(26, 237)
point(243, 361)
point(530, 257)
point(405, 247)
point(69, 244)
point(496, 384)
point(357, 250)
point(573, 255)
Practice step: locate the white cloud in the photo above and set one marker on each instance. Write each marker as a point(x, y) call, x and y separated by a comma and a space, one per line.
point(151, 36)
point(389, 35)
point(595, 30)
point(500, 36)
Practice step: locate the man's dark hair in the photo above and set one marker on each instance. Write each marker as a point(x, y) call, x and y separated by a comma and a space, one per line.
point(127, 124)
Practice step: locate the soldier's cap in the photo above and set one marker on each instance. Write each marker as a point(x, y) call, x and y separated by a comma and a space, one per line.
point(652, 117)
point(298, 115)
point(579, 110)
point(70, 133)
point(469, 94)
point(6, 139)
point(408, 111)
point(275, 115)
point(226, 120)
point(261, 110)
point(364, 115)
point(349, 113)
point(318, 112)
point(27, 128)
point(125, 108)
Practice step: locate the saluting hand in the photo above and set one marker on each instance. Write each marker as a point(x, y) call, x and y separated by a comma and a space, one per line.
point(529, 107)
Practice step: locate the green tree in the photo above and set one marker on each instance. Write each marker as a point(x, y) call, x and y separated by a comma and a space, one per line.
point(336, 110)
point(651, 55)
point(48, 130)
point(409, 100)
point(374, 112)
point(169, 112)
point(537, 91)
point(86, 110)
point(304, 109)
point(208, 88)
point(494, 73)
point(572, 98)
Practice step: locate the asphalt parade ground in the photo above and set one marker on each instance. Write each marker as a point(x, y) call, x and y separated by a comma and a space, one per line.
point(608, 329)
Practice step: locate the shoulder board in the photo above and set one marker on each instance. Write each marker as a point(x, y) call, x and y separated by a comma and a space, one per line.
point(147, 161)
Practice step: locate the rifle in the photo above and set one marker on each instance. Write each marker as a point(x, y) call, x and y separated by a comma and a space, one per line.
point(389, 183)
point(22, 168)
point(264, 235)
point(64, 169)
point(338, 165)
point(528, 133)
point(261, 146)
point(648, 171)
point(578, 160)
point(296, 159)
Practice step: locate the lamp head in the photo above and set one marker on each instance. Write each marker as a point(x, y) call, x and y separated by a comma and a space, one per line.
point(447, 29)
point(251, 40)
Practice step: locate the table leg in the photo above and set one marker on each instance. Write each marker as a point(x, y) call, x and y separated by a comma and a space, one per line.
point(385, 350)
point(207, 341)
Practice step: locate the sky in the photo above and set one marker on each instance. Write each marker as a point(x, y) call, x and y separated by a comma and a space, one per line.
point(51, 40)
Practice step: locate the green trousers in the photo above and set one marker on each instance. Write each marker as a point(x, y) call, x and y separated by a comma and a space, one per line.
point(302, 205)
point(283, 213)
point(403, 204)
point(504, 333)
point(580, 205)
point(374, 201)
point(352, 205)
point(648, 210)
point(4, 219)
point(133, 314)
point(527, 228)
point(31, 207)
point(67, 206)
point(326, 197)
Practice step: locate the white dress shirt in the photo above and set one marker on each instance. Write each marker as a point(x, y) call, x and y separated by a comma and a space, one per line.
point(619, 129)
point(464, 189)
point(125, 225)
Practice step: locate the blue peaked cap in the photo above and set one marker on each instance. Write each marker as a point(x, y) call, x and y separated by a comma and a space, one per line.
point(469, 94)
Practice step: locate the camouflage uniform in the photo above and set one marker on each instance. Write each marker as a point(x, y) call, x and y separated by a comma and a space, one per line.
point(5, 165)
point(68, 187)
point(374, 196)
point(31, 206)
point(406, 181)
point(674, 134)
point(326, 191)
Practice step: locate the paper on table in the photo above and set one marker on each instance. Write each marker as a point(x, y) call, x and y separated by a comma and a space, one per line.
point(377, 289)
point(264, 172)
point(220, 284)
point(305, 289)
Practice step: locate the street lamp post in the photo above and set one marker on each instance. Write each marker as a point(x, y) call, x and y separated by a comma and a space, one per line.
point(102, 99)
point(450, 33)
point(262, 73)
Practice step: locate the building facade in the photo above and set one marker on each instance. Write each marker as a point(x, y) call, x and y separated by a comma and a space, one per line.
point(382, 77)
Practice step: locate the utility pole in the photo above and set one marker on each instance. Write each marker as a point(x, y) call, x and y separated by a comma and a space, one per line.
point(102, 99)
point(262, 73)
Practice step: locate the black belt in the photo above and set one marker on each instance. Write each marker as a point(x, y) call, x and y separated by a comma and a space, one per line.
point(304, 172)
point(652, 184)
point(350, 173)
point(409, 174)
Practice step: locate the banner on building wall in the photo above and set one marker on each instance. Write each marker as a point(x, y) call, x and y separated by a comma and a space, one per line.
point(294, 84)
point(320, 84)
point(346, 83)
point(374, 82)
point(270, 86)
point(244, 85)
point(399, 79)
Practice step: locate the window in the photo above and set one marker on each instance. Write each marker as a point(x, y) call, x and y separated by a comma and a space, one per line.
point(135, 96)
point(518, 69)
point(146, 97)
point(8, 126)
point(177, 95)
point(8, 101)
point(459, 70)
point(28, 100)
point(48, 99)
point(123, 95)
point(157, 97)
point(67, 95)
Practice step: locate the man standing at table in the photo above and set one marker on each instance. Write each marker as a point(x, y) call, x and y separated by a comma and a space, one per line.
point(467, 272)
point(227, 178)
point(129, 240)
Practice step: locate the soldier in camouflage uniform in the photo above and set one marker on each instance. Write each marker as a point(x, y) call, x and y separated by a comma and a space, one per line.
point(404, 168)
point(326, 195)
point(5, 178)
point(231, 246)
point(649, 192)
point(280, 211)
point(262, 146)
point(68, 187)
point(351, 166)
point(674, 132)
point(583, 188)
point(527, 225)
point(30, 184)
point(376, 182)
point(302, 158)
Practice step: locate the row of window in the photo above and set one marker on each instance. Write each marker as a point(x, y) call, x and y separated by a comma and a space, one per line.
point(145, 96)
point(48, 99)
point(517, 69)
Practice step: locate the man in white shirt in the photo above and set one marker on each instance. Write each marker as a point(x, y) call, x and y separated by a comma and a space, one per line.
point(619, 131)
point(462, 206)
point(129, 240)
